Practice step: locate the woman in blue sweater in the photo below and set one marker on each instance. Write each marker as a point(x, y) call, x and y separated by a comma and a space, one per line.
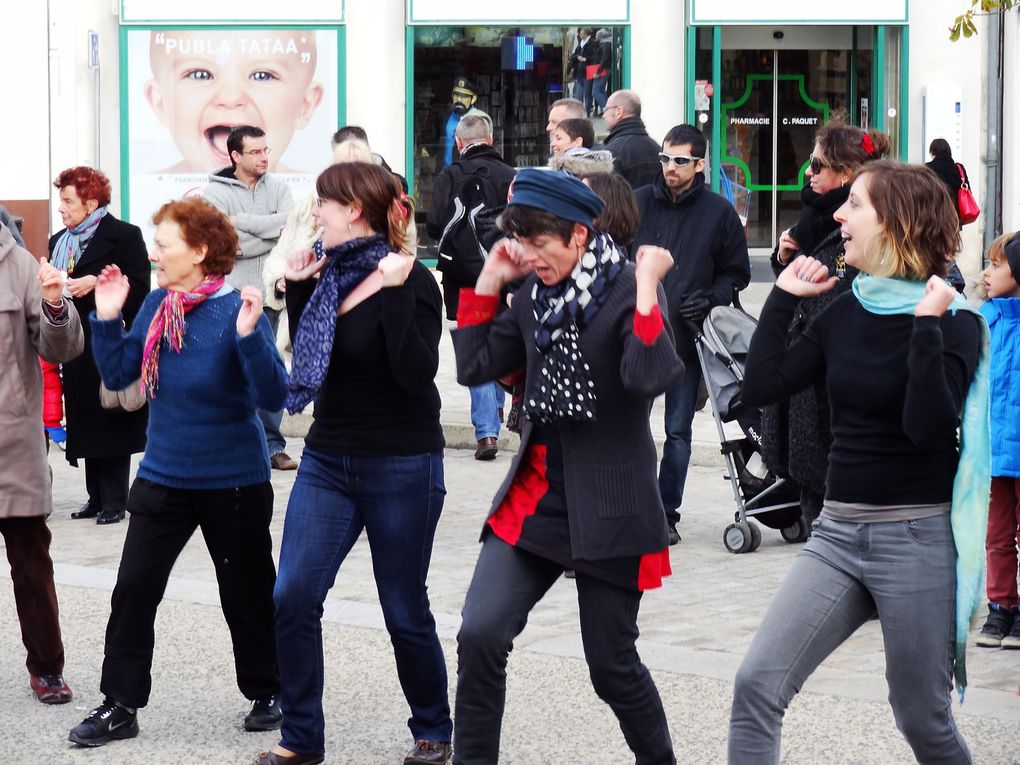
point(207, 361)
point(901, 531)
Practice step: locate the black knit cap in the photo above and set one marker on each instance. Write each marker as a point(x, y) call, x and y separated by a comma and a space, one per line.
point(1012, 252)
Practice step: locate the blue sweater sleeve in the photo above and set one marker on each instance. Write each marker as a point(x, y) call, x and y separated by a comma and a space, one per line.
point(118, 354)
point(263, 367)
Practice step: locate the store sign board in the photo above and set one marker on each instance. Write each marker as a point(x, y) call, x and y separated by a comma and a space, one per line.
point(231, 12)
point(798, 12)
point(520, 12)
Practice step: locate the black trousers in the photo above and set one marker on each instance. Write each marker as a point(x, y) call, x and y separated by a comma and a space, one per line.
point(235, 525)
point(106, 481)
point(506, 585)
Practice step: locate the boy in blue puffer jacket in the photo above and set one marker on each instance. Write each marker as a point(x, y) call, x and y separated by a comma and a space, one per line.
point(1002, 311)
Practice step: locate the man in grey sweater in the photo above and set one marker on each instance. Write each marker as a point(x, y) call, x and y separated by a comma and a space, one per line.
point(257, 204)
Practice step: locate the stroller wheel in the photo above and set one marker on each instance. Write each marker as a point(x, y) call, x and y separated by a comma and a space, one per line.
point(755, 536)
point(738, 539)
point(798, 532)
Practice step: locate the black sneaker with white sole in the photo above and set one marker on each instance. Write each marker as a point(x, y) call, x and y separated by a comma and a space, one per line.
point(265, 714)
point(998, 626)
point(107, 722)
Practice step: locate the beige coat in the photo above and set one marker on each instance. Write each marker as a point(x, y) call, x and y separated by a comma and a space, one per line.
point(26, 333)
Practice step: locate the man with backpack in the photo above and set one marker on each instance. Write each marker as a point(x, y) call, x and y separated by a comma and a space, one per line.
point(467, 197)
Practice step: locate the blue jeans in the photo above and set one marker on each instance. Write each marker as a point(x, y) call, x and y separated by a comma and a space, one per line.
point(485, 403)
point(582, 91)
point(676, 452)
point(598, 91)
point(271, 421)
point(905, 569)
point(397, 501)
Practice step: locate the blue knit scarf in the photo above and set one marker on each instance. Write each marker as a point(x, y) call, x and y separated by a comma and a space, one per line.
point(971, 487)
point(67, 251)
point(347, 265)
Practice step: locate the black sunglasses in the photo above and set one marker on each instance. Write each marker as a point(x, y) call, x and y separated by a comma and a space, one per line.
point(816, 165)
point(678, 161)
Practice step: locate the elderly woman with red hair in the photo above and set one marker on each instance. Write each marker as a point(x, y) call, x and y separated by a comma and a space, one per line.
point(92, 240)
point(207, 360)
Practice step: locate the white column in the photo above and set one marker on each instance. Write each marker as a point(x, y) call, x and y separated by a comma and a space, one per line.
point(375, 75)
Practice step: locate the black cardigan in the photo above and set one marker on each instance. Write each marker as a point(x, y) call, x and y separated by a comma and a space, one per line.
point(613, 503)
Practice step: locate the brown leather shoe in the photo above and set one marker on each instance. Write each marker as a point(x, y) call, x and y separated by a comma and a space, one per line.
point(272, 758)
point(282, 461)
point(429, 753)
point(486, 449)
point(50, 689)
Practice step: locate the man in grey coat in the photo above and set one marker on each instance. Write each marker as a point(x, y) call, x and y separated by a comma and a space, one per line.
point(257, 204)
point(35, 320)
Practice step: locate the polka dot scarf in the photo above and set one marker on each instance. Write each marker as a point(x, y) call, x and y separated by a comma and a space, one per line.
point(564, 388)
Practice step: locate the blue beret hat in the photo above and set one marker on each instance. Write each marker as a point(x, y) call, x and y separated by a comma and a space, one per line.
point(558, 193)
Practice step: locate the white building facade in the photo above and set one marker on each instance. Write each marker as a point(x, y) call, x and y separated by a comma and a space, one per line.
point(146, 90)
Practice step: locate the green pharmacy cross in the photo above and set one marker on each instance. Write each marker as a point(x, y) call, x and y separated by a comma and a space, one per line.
point(748, 124)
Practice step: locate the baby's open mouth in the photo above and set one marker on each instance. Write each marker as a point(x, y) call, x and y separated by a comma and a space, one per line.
point(217, 137)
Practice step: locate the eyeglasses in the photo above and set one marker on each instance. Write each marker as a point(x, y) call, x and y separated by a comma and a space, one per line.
point(678, 161)
point(258, 152)
point(816, 165)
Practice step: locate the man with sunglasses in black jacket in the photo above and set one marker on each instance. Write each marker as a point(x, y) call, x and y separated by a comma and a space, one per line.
point(706, 239)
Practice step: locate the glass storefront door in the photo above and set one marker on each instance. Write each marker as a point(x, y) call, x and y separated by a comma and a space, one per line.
point(771, 103)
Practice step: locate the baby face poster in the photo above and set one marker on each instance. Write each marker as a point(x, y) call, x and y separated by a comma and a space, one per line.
point(187, 88)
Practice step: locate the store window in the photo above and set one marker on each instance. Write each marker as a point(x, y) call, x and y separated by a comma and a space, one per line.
point(512, 74)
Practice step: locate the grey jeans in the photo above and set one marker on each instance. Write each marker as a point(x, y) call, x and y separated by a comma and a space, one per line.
point(905, 569)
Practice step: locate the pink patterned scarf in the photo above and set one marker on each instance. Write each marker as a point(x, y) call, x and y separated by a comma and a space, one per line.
point(168, 324)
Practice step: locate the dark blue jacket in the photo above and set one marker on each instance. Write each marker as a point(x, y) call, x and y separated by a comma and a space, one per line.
point(1003, 317)
point(702, 232)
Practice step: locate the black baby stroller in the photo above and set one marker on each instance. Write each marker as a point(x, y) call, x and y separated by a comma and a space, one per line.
point(722, 344)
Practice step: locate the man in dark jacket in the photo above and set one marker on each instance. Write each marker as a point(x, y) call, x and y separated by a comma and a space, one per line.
point(706, 239)
point(461, 268)
point(635, 153)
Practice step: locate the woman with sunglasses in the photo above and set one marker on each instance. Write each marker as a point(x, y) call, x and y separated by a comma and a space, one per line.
point(795, 432)
point(905, 361)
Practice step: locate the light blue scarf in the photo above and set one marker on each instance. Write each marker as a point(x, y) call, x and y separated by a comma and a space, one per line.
point(67, 251)
point(972, 484)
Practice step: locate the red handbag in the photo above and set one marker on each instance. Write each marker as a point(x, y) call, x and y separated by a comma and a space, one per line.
point(966, 205)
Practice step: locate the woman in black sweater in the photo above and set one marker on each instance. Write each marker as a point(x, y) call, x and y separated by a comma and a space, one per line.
point(946, 168)
point(795, 432)
point(898, 366)
point(366, 350)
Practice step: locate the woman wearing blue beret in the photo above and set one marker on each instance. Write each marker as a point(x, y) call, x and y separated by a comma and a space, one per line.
point(587, 329)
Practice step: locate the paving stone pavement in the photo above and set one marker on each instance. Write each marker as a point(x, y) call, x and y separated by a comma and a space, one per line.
point(694, 632)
